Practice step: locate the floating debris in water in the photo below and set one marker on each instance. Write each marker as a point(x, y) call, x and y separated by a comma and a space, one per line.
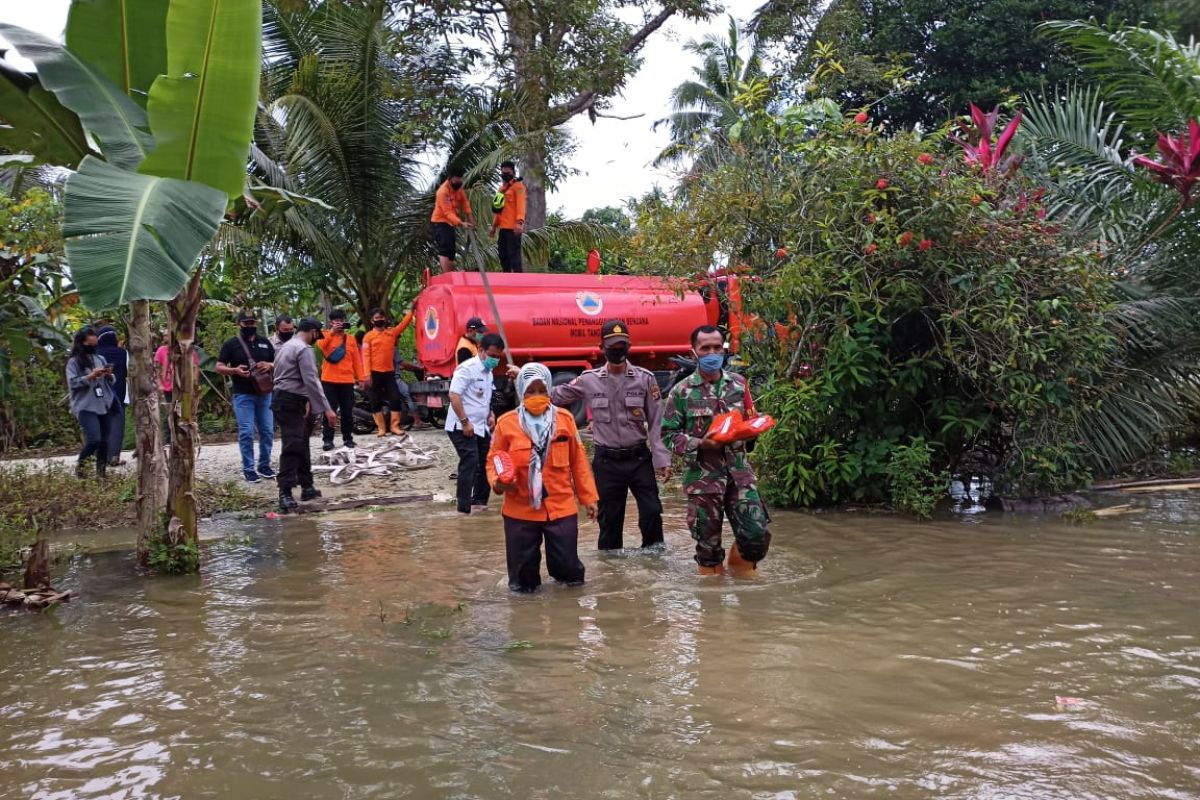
point(37, 599)
point(1067, 702)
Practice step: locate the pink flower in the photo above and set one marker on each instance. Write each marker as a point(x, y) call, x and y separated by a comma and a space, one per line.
point(871, 248)
point(781, 253)
point(881, 184)
point(861, 118)
point(925, 244)
point(925, 159)
point(905, 239)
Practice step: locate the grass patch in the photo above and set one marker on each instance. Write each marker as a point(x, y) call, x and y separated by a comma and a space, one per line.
point(51, 498)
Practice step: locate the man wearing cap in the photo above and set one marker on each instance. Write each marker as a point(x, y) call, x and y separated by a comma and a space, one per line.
point(508, 217)
point(624, 401)
point(240, 358)
point(297, 390)
point(468, 343)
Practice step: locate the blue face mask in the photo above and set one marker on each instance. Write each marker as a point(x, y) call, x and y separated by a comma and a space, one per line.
point(712, 364)
point(491, 362)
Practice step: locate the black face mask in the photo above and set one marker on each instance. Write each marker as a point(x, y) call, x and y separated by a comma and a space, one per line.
point(507, 176)
point(379, 323)
point(89, 348)
point(456, 186)
point(616, 355)
point(285, 335)
point(249, 332)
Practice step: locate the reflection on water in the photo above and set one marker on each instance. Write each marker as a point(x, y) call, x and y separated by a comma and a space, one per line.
point(381, 656)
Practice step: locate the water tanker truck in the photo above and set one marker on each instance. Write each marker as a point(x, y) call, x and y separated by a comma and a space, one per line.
point(555, 319)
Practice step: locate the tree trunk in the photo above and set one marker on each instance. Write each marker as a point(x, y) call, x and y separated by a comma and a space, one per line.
point(151, 467)
point(533, 164)
point(181, 533)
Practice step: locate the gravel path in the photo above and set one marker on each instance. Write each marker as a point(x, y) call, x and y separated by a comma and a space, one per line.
point(223, 462)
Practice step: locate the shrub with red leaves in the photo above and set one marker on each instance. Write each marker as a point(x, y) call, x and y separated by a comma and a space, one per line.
point(1180, 164)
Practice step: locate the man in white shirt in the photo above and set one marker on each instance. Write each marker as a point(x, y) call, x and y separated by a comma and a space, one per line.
point(470, 421)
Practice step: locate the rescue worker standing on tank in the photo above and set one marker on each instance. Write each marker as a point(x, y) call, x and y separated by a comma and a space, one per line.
point(508, 217)
point(717, 478)
point(297, 391)
point(450, 208)
point(626, 428)
point(378, 348)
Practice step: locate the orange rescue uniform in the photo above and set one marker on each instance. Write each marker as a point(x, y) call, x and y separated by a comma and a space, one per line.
point(514, 205)
point(450, 206)
point(379, 346)
point(350, 368)
point(565, 475)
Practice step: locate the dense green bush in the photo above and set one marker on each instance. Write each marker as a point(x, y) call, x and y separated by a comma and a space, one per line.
point(927, 301)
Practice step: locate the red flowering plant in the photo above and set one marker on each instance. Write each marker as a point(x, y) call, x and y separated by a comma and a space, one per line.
point(929, 306)
point(982, 149)
point(1179, 166)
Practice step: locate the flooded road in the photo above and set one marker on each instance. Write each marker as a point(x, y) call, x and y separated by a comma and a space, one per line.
point(382, 656)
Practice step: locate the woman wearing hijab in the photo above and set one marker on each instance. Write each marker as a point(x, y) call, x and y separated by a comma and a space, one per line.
point(112, 352)
point(90, 379)
point(551, 473)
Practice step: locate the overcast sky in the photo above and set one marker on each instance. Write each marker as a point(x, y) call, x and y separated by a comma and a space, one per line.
point(613, 156)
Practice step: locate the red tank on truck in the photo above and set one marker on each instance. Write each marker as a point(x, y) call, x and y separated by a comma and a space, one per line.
point(555, 319)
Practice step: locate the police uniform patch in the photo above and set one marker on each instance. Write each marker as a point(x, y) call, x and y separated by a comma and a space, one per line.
point(637, 412)
point(654, 390)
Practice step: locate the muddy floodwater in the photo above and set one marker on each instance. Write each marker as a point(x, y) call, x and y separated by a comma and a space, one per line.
point(380, 655)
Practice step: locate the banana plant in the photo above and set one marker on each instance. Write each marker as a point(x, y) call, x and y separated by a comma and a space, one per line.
point(167, 89)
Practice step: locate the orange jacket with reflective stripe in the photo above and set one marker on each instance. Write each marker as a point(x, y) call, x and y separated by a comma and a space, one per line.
point(379, 346)
point(350, 368)
point(514, 205)
point(566, 475)
point(451, 205)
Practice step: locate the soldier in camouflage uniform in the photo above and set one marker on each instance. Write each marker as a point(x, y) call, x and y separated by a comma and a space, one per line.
point(718, 479)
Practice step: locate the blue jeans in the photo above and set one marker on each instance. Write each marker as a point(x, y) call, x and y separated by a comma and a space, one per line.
point(95, 436)
point(254, 410)
point(406, 396)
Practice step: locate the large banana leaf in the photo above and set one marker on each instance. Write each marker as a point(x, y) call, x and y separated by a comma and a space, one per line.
point(202, 111)
point(36, 122)
point(134, 237)
point(106, 112)
point(126, 40)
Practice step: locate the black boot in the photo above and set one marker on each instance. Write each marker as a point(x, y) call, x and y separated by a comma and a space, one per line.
point(80, 470)
point(287, 503)
point(309, 493)
point(327, 445)
point(349, 443)
point(101, 468)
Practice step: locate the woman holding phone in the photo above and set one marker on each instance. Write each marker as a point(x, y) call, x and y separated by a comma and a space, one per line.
point(90, 380)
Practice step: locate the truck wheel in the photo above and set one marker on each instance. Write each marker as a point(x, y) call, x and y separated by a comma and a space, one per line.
point(577, 408)
point(363, 422)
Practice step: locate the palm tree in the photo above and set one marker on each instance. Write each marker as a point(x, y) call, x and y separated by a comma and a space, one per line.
point(705, 112)
point(356, 104)
point(1080, 145)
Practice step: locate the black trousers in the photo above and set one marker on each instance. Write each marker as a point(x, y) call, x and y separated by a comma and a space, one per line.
point(615, 477)
point(509, 244)
point(341, 400)
point(523, 549)
point(384, 390)
point(472, 488)
point(295, 428)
